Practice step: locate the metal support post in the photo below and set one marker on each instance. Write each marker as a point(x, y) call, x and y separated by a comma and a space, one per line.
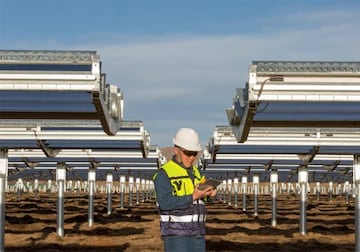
point(91, 180)
point(274, 183)
point(3, 175)
point(357, 218)
point(137, 190)
point(356, 181)
point(346, 189)
point(147, 186)
point(49, 186)
point(236, 191)
point(36, 188)
point(19, 188)
point(109, 181)
point(78, 186)
point(142, 190)
point(318, 190)
point(244, 185)
point(303, 180)
point(122, 191)
point(152, 189)
point(60, 181)
point(256, 192)
point(223, 189)
point(331, 189)
point(229, 183)
point(131, 186)
point(69, 186)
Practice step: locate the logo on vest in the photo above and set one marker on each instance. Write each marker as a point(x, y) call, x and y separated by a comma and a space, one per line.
point(177, 184)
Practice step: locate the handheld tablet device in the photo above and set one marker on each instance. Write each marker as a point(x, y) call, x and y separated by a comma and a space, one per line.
point(209, 182)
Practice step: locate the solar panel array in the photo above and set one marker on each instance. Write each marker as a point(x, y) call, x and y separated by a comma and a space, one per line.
point(56, 107)
point(291, 115)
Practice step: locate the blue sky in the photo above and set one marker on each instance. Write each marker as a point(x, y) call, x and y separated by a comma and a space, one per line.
point(178, 62)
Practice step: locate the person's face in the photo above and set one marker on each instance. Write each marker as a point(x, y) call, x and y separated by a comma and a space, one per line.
point(186, 157)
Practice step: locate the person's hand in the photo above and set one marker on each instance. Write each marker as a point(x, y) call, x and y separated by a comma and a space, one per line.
point(198, 194)
point(213, 193)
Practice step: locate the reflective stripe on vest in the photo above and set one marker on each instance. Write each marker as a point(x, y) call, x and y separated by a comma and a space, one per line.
point(185, 218)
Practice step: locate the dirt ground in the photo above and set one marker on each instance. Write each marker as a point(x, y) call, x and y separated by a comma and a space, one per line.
point(30, 225)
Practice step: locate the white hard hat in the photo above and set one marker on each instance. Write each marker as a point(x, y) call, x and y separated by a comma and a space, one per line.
point(188, 139)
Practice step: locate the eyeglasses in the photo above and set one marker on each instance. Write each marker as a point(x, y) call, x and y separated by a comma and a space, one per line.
point(189, 153)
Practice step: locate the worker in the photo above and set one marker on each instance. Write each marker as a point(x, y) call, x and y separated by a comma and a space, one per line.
point(180, 201)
